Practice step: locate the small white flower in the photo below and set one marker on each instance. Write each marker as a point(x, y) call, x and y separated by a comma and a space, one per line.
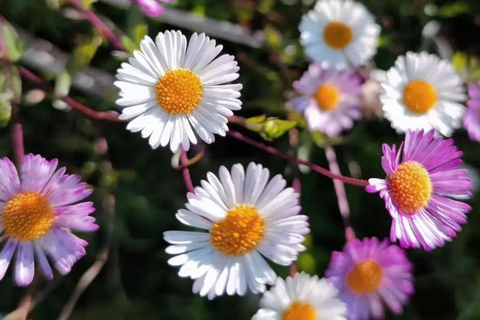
point(245, 216)
point(339, 33)
point(169, 87)
point(301, 297)
point(423, 92)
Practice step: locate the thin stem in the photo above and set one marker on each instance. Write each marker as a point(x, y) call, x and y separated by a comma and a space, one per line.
point(185, 171)
point(340, 191)
point(193, 160)
point(296, 182)
point(17, 135)
point(108, 116)
point(314, 167)
point(98, 24)
point(108, 206)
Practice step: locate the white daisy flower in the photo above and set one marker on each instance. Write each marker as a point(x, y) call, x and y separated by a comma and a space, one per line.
point(169, 87)
point(423, 92)
point(339, 33)
point(301, 297)
point(245, 216)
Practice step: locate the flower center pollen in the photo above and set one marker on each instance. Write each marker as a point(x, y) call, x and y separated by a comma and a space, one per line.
point(240, 232)
point(300, 311)
point(366, 277)
point(327, 97)
point(419, 96)
point(337, 35)
point(410, 186)
point(28, 216)
point(179, 91)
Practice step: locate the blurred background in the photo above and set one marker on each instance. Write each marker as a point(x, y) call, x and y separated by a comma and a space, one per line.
point(137, 190)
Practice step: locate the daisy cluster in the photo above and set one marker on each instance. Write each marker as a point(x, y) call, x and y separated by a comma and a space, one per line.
point(177, 92)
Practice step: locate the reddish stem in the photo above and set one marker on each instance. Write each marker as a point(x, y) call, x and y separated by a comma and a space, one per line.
point(30, 76)
point(17, 136)
point(185, 171)
point(340, 191)
point(296, 182)
point(314, 167)
point(98, 24)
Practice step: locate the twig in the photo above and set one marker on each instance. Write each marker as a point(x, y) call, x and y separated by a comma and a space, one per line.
point(109, 116)
point(17, 135)
point(340, 191)
point(185, 171)
point(296, 182)
point(314, 167)
point(102, 257)
point(193, 160)
point(24, 307)
point(98, 24)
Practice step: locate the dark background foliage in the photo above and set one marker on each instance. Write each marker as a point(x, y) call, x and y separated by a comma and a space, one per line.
point(136, 282)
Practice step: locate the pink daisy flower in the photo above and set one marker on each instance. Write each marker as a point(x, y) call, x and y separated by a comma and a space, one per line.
point(421, 190)
point(38, 207)
point(369, 273)
point(471, 121)
point(330, 100)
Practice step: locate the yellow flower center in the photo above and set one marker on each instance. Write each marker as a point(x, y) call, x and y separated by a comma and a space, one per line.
point(240, 232)
point(27, 216)
point(366, 277)
point(179, 91)
point(327, 97)
point(410, 186)
point(337, 35)
point(419, 96)
point(300, 311)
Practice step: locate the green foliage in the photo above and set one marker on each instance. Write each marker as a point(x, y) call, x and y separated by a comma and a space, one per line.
point(269, 128)
point(11, 41)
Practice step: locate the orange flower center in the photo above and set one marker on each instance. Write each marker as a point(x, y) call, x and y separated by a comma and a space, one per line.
point(240, 232)
point(28, 216)
point(366, 277)
point(410, 186)
point(337, 35)
point(300, 311)
point(419, 96)
point(327, 97)
point(179, 91)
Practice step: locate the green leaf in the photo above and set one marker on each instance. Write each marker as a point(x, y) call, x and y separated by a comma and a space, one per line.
point(13, 45)
point(306, 262)
point(273, 37)
point(62, 87)
point(136, 26)
point(269, 128)
point(275, 128)
point(53, 4)
point(257, 119)
point(5, 110)
point(128, 43)
point(265, 6)
point(455, 9)
point(319, 139)
point(88, 3)
point(139, 32)
point(10, 82)
point(83, 54)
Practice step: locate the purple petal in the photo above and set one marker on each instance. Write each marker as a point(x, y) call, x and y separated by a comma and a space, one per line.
point(9, 180)
point(64, 248)
point(43, 262)
point(6, 256)
point(25, 265)
point(36, 171)
point(151, 7)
